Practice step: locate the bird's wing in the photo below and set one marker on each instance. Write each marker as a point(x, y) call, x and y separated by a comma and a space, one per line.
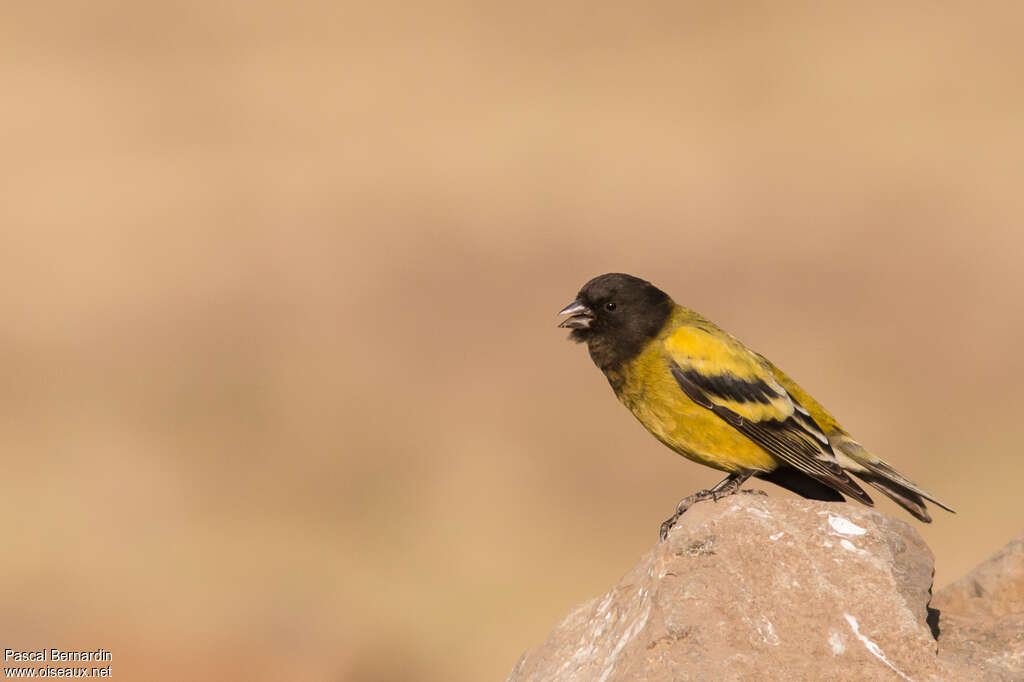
point(855, 459)
point(719, 373)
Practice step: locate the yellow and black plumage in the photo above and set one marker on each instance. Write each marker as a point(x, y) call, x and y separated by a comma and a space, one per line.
point(704, 394)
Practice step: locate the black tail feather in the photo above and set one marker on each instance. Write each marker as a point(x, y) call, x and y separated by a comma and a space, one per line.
point(885, 475)
point(901, 495)
point(807, 486)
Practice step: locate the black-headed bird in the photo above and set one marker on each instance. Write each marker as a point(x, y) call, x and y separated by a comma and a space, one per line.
point(705, 395)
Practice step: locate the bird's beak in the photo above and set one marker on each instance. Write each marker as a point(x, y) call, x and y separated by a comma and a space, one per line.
point(580, 315)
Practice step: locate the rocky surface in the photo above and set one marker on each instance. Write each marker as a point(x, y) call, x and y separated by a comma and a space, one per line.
point(755, 588)
point(982, 616)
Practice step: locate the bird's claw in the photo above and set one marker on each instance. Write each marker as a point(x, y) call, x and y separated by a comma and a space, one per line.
point(729, 486)
point(681, 508)
point(667, 526)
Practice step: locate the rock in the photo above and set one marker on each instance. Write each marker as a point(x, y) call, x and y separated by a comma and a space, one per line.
point(756, 588)
point(982, 616)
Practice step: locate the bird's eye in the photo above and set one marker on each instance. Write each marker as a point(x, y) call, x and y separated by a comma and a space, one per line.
point(609, 306)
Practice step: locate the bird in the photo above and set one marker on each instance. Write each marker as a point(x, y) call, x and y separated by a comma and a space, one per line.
point(704, 394)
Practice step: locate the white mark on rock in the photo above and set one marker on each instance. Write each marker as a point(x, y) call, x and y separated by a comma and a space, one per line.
point(777, 535)
point(764, 628)
point(850, 547)
point(844, 526)
point(629, 634)
point(827, 543)
point(578, 659)
point(835, 640)
point(875, 650)
point(759, 512)
point(767, 632)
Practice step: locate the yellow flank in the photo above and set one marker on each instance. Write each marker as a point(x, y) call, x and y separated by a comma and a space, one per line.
point(649, 390)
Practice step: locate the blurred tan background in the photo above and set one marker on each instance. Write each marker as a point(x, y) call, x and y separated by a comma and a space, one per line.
point(283, 396)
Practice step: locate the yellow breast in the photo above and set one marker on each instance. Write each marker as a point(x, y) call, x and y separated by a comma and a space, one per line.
point(646, 386)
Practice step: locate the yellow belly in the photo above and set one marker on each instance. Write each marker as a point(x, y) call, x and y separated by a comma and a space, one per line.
point(650, 392)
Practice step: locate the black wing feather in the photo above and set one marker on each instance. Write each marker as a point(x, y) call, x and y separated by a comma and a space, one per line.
point(797, 440)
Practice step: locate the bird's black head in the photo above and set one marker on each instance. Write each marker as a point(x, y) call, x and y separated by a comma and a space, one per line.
point(615, 315)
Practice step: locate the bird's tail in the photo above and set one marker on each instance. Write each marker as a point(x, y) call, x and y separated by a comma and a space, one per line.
point(880, 475)
point(901, 495)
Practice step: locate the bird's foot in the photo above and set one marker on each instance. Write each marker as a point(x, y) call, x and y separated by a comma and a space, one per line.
point(681, 508)
point(728, 486)
point(753, 491)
